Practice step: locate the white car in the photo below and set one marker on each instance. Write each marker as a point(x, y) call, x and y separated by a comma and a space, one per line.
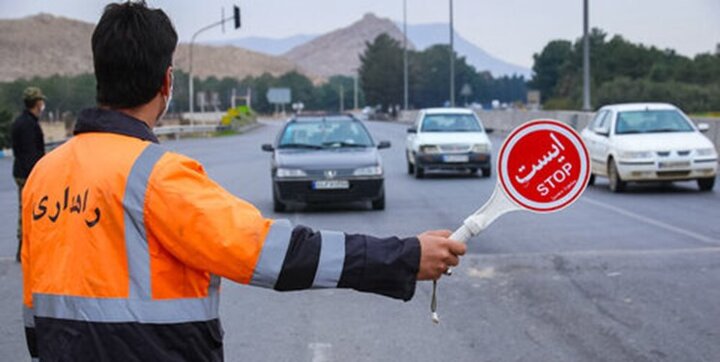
point(649, 142)
point(448, 138)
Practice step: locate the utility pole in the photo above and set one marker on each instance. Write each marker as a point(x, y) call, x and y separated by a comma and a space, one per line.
point(586, 59)
point(342, 99)
point(236, 18)
point(452, 58)
point(355, 91)
point(405, 58)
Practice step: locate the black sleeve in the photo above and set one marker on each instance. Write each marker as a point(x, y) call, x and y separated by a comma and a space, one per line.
point(386, 266)
point(31, 341)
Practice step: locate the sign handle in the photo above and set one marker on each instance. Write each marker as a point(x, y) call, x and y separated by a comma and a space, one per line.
point(496, 206)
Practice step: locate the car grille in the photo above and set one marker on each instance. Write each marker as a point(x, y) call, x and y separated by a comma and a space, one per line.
point(455, 148)
point(329, 173)
point(668, 153)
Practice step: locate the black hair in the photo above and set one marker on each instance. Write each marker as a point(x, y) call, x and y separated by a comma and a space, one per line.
point(30, 103)
point(133, 47)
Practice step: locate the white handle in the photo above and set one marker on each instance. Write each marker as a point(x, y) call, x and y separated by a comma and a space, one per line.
point(497, 205)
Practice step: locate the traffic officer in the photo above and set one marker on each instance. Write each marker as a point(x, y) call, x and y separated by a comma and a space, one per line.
point(125, 242)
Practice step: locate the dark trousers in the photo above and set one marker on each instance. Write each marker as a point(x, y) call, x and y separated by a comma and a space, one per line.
point(20, 183)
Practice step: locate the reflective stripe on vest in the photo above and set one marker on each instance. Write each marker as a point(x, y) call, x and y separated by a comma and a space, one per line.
point(332, 258)
point(139, 306)
point(272, 255)
point(269, 265)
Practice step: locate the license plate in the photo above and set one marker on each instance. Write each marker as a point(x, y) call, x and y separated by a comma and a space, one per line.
point(456, 158)
point(331, 185)
point(674, 165)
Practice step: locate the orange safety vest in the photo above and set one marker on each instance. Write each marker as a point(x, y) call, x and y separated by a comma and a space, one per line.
point(119, 232)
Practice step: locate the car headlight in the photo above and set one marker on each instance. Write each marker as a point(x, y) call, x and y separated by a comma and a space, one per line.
point(429, 149)
point(481, 148)
point(636, 154)
point(290, 172)
point(705, 152)
point(368, 171)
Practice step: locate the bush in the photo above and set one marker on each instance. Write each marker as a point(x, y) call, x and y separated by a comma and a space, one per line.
point(238, 116)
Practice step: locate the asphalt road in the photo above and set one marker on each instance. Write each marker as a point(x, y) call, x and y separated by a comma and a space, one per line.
point(615, 277)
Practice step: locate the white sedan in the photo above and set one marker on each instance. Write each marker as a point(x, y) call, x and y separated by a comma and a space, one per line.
point(448, 138)
point(649, 142)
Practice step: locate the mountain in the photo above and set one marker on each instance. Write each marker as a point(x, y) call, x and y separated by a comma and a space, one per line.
point(426, 35)
point(338, 52)
point(45, 45)
point(272, 46)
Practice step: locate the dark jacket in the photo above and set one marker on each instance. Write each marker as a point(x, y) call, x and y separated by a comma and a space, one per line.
point(70, 327)
point(28, 144)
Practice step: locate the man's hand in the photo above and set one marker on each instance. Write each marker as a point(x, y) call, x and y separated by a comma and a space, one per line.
point(437, 254)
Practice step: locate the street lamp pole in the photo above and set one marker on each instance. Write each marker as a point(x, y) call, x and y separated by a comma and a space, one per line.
point(452, 58)
point(223, 19)
point(586, 59)
point(405, 58)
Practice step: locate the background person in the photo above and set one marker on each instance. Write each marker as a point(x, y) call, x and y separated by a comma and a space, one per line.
point(28, 145)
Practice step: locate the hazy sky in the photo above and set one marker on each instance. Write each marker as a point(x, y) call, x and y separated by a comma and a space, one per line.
point(510, 29)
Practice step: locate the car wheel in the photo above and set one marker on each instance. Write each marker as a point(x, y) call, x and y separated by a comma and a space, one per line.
point(278, 206)
point(473, 170)
point(591, 180)
point(706, 184)
point(486, 172)
point(419, 172)
point(410, 167)
point(379, 204)
point(616, 183)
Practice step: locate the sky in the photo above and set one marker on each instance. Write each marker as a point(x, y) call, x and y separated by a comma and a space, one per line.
point(512, 30)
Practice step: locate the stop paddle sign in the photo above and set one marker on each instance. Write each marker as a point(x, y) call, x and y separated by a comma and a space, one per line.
point(543, 166)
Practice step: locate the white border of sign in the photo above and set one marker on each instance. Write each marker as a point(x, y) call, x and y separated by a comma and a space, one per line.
point(509, 144)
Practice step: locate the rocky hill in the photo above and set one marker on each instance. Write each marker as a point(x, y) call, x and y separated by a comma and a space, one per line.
point(44, 45)
point(338, 52)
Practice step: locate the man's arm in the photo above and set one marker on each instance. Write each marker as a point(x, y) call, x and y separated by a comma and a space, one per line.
point(210, 229)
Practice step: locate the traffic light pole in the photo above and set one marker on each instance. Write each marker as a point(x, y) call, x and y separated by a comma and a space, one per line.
point(191, 90)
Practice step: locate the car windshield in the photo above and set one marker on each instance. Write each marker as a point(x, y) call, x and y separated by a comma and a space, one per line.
point(651, 122)
point(450, 123)
point(325, 133)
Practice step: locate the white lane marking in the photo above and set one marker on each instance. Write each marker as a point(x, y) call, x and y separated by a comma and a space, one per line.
point(7, 258)
point(321, 352)
point(651, 221)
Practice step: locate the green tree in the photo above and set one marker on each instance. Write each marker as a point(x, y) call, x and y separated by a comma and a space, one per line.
point(548, 67)
point(5, 124)
point(381, 72)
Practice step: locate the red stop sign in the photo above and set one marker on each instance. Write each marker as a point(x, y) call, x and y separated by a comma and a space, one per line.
point(543, 166)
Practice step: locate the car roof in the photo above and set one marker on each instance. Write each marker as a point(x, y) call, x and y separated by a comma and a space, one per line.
point(323, 117)
point(447, 111)
point(624, 107)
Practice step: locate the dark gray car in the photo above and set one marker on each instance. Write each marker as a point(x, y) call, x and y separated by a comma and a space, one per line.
point(326, 159)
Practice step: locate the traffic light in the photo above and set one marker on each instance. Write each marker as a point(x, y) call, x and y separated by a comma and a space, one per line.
point(236, 16)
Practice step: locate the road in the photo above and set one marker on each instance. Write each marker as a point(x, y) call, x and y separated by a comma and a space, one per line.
point(615, 277)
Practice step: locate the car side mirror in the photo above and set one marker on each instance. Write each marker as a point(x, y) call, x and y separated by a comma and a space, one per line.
point(268, 147)
point(383, 144)
point(602, 132)
point(412, 130)
point(489, 130)
point(703, 127)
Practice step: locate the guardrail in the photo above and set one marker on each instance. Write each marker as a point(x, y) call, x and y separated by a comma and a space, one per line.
point(181, 129)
